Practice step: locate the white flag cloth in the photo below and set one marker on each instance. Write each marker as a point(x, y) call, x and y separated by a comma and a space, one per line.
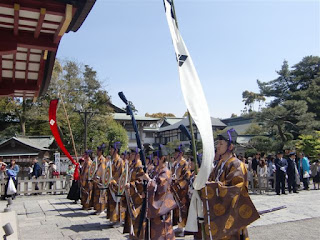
point(196, 104)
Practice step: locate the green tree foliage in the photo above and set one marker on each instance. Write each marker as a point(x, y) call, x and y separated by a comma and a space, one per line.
point(261, 144)
point(116, 133)
point(288, 120)
point(79, 88)
point(160, 115)
point(309, 145)
point(300, 83)
point(294, 108)
point(249, 98)
point(255, 129)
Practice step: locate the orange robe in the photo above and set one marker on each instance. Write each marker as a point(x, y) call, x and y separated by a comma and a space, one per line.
point(86, 186)
point(113, 213)
point(180, 188)
point(134, 198)
point(227, 206)
point(160, 202)
point(99, 195)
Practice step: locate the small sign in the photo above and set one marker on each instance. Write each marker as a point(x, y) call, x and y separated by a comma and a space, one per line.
point(57, 161)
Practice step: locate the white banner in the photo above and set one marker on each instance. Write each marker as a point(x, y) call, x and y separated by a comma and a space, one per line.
point(196, 104)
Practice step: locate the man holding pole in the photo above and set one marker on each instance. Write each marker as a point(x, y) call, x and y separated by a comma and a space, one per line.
point(86, 185)
point(114, 204)
point(180, 187)
point(99, 195)
point(227, 206)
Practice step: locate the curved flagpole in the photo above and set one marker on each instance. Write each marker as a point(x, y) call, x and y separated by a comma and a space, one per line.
point(197, 106)
point(67, 117)
point(55, 133)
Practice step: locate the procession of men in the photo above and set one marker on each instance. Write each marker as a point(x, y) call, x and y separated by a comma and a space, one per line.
point(150, 201)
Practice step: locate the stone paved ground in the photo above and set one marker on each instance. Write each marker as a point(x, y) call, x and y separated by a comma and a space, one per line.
point(55, 217)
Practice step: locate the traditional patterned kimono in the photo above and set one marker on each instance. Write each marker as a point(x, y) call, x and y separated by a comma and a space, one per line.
point(227, 206)
point(180, 187)
point(86, 185)
point(134, 198)
point(113, 214)
point(99, 195)
point(160, 202)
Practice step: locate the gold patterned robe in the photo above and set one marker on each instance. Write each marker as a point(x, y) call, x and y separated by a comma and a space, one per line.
point(86, 186)
point(180, 188)
point(113, 213)
point(227, 206)
point(134, 198)
point(99, 195)
point(160, 202)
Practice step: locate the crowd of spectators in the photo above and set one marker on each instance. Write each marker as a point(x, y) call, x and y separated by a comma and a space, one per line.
point(292, 171)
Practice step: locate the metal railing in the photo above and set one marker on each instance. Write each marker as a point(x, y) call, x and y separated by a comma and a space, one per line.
point(262, 184)
point(27, 187)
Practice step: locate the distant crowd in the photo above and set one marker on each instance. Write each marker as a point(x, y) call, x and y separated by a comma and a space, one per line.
point(293, 170)
point(46, 169)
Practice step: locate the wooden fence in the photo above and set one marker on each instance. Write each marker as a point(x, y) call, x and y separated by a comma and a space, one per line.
point(27, 187)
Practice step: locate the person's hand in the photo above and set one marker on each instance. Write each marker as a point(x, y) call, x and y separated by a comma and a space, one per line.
point(145, 177)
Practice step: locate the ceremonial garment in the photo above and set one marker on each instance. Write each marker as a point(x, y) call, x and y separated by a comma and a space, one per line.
point(113, 213)
point(134, 198)
point(160, 202)
point(180, 188)
point(99, 195)
point(227, 206)
point(86, 185)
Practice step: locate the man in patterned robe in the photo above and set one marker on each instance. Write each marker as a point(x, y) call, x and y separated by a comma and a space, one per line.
point(180, 187)
point(85, 184)
point(160, 201)
point(99, 195)
point(134, 194)
point(114, 208)
point(227, 206)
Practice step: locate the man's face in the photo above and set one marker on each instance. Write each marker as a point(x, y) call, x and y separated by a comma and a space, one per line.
point(258, 155)
point(156, 161)
point(111, 151)
point(280, 155)
point(222, 147)
point(132, 156)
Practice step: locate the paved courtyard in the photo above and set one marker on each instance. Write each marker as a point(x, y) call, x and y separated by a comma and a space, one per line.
point(55, 217)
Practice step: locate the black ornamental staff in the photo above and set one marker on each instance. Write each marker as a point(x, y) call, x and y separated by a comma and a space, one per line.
point(142, 157)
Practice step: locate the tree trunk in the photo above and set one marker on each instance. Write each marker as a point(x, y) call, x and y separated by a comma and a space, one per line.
point(283, 139)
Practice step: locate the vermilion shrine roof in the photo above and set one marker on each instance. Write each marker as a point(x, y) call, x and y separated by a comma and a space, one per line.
point(30, 33)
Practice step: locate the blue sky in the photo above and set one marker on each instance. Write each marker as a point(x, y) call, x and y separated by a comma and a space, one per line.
point(232, 44)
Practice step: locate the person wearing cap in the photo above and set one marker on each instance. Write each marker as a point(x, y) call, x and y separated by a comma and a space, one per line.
point(99, 195)
point(117, 168)
point(160, 200)
point(180, 187)
point(149, 155)
point(291, 172)
point(281, 169)
point(134, 194)
point(227, 207)
point(85, 184)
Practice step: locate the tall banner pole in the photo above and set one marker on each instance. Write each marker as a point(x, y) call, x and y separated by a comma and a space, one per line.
point(143, 159)
point(67, 117)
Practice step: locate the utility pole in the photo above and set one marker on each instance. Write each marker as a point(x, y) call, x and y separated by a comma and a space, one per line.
point(87, 115)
